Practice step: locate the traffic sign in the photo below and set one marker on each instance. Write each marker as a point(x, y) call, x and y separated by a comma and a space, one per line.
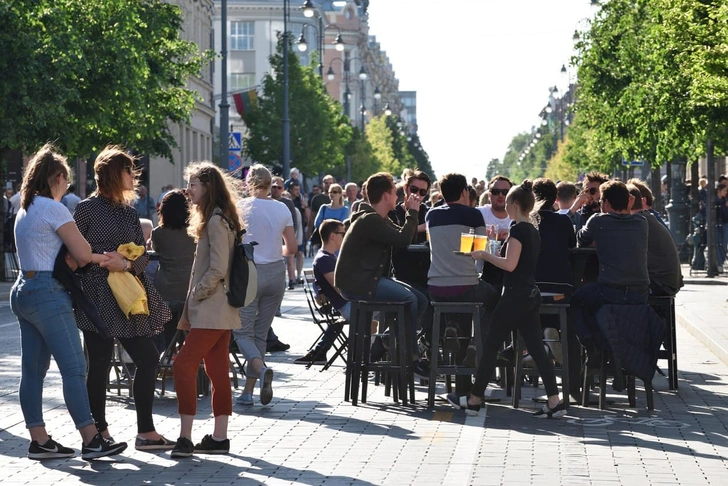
point(234, 161)
point(633, 163)
point(235, 141)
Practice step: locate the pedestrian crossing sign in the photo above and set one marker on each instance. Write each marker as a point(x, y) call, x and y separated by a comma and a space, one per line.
point(235, 141)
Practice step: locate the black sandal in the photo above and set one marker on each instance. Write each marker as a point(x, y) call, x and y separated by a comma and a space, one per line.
point(462, 404)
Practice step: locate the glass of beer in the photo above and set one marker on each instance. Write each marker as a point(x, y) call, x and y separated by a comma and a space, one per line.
point(480, 242)
point(466, 242)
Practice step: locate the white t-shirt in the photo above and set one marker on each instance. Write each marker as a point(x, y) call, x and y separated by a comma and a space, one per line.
point(490, 218)
point(35, 233)
point(265, 220)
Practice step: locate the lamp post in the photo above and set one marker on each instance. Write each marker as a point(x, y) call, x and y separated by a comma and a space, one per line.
point(224, 105)
point(309, 11)
point(330, 74)
point(286, 121)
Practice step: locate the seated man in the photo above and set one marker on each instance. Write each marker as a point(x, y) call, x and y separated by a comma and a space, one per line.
point(621, 242)
point(663, 262)
point(363, 268)
point(332, 235)
point(454, 278)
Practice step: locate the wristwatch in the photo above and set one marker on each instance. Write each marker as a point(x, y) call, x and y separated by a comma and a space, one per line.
point(128, 266)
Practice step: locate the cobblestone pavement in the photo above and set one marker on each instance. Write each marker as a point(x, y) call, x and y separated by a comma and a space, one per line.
point(310, 436)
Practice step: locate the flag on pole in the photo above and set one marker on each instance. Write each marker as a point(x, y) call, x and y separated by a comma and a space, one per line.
point(245, 101)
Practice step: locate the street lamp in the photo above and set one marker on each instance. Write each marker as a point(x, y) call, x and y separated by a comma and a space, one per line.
point(285, 120)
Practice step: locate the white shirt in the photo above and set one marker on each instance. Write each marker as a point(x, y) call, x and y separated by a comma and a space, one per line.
point(35, 233)
point(490, 218)
point(265, 220)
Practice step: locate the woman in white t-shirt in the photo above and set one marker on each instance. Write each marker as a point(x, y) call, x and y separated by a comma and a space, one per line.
point(266, 222)
point(44, 309)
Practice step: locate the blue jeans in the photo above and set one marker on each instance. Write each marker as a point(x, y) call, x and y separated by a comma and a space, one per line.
point(389, 289)
point(48, 328)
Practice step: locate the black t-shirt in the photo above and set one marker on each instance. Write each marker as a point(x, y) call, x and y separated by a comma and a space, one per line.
point(325, 263)
point(523, 276)
point(557, 236)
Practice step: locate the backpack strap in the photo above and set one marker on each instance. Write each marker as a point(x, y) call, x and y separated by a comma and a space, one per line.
point(240, 233)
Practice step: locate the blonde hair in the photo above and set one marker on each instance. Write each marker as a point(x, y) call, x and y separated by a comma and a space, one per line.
point(341, 191)
point(108, 173)
point(222, 191)
point(259, 177)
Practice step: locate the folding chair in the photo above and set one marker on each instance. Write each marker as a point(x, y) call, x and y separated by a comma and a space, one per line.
point(324, 315)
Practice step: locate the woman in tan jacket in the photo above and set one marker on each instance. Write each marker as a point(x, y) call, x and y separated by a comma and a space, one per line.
point(207, 314)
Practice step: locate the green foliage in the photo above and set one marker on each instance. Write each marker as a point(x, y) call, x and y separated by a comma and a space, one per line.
point(86, 74)
point(653, 80)
point(380, 137)
point(319, 131)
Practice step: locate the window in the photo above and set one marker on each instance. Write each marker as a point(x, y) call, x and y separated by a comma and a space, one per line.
point(242, 35)
point(241, 81)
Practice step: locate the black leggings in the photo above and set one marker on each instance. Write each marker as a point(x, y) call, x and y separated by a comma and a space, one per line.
point(516, 309)
point(143, 353)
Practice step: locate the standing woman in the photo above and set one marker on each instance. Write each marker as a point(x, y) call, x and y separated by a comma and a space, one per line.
point(44, 309)
point(176, 250)
point(107, 219)
point(334, 210)
point(214, 222)
point(518, 306)
point(266, 222)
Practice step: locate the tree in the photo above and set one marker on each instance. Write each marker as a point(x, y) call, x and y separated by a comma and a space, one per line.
point(380, 137)
point(85, 74)
point(319, 130)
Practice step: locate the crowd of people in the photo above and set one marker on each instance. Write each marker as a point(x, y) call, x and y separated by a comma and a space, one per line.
point(360, 238)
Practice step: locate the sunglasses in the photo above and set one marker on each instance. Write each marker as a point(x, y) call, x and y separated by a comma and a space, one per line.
point(499, 192)
point(342, 233)
point(592, 191)
point(334, 192)
point(415, 190)
point(129, 169)
point(276, 187)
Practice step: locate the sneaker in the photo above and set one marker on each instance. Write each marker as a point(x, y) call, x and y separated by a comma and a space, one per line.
point(471, 357)
point(277, 347)
point(450, 343)
point(183, 448)
point(311, 358)
point(160, 444)
point(555, 412)
point(461, 403)
point(245, 399)
point(266, 385)
point(50, 450)
point(208, 445)
point(100, 447)
point(554, 343)
point(506, 354)
point(421, 369)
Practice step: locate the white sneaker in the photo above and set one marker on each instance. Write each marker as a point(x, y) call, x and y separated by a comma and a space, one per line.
point(266, 385)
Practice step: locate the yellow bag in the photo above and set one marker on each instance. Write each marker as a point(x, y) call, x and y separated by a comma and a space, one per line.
point(128, 290)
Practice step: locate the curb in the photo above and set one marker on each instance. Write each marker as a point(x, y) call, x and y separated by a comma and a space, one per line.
point(714, 347)
point(704, 281)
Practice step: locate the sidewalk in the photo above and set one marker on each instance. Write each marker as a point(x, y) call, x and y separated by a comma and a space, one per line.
point(310, 436)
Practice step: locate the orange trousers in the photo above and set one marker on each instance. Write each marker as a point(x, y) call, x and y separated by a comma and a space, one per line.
point(212, 346)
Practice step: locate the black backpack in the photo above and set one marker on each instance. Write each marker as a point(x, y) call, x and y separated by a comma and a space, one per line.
point(243, 285)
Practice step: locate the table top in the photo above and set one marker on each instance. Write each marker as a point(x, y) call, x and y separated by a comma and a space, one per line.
point(423, 247)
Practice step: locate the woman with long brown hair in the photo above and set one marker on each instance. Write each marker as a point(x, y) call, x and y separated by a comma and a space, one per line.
point(45, 311)
point(107, 219)
point(214, 223)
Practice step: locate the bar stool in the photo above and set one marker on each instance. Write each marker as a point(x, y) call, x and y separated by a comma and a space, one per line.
point(665, 308)
point(552, 308)
point(399, 364)
point(441, 309)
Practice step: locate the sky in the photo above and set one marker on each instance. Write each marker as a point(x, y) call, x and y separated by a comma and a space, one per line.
point(481, 68)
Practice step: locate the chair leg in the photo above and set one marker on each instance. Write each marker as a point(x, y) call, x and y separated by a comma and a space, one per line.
point(650, 397)
point(603, 382)
point(518, 358)
point(631, 391)
point(435, 354)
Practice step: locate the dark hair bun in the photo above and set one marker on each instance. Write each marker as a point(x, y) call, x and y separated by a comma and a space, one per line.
point(527, 185)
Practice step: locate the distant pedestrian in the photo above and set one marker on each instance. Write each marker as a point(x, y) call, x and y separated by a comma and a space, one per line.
point(70, 200)
point(144, 203)
point(45, 312)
